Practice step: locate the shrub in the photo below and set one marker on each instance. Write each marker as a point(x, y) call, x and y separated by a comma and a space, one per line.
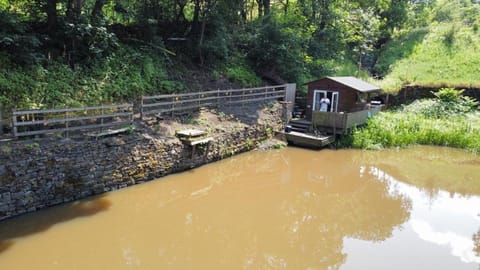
point(448, 102)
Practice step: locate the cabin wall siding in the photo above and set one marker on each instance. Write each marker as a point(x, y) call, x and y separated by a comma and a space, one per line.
point(347, 96)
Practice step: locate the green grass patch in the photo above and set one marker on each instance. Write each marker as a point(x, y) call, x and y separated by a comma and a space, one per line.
point(124, 75)
point(240, 72)
point(447, 53)
point(399, 129)
point(448, 120)
point(446, 57)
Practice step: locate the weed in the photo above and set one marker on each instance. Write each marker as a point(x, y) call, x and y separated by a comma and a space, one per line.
point(32, 146)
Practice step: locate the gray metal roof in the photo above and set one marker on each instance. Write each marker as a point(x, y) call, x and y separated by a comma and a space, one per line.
point(356, 84)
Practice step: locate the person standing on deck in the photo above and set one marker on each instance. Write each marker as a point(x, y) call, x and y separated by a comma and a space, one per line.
point(324, 102)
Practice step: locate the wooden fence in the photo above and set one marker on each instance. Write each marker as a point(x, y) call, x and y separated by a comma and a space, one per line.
point(161, 104)
point(39, 122)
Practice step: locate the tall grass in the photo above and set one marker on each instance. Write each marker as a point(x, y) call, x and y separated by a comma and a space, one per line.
point(446, 53)
point(398, 129)
point(449, 55)
point(449, 120)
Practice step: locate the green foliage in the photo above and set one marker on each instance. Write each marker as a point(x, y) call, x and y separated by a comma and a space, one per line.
point(275, 46)
point(394, 129)
point(448, 103)
point(124, 75)
point(15, 40)
point(88, 42)
point(242, 74)
point(402, 46)
point(448, 120)
point(445, 53)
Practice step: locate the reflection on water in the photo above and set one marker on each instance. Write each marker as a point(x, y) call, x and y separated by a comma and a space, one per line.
point(287, 209)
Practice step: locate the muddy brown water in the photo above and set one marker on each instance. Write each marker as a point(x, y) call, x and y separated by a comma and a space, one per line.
point(417, 208)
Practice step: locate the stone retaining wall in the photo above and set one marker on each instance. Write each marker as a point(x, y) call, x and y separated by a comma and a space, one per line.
point(38, 174)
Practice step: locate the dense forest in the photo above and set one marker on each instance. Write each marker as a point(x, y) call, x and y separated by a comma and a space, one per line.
point(56, 53)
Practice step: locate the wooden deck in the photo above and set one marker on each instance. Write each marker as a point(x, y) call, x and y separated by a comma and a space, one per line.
point(308, 140)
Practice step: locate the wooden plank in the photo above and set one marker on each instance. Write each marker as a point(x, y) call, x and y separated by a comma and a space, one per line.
point(255, 99)
point(108, 132)
point(71, 119)
point(232, 96)
point(56, 130)
point(179, 95)
point(202, 141)
point(168, 103)
point(106, 107)
point(215, 91)
point(191, 133)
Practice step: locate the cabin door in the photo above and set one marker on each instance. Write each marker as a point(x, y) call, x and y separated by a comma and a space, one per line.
point(318, 95)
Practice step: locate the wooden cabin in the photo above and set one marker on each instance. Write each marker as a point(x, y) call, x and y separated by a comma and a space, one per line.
point(346, 94)
point(349, 107)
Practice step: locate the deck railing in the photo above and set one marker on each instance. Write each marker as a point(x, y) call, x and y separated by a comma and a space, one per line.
point(342, 121)
point(161, 104)
point(39, 122)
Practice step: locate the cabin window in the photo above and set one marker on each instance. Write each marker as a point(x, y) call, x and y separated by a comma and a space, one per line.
point(331, 95)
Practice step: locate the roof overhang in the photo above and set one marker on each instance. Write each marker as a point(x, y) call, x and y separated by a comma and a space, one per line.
point(354, 83)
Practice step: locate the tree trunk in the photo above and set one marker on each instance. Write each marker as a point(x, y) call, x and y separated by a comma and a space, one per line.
point(196, 18)
point(52, 16)
point(180, 15)
point(200, 43)
point(97, 9)
point(77, 8)
point(287, 4)
point(243, 10)
point(266, 7)
point(260, 8)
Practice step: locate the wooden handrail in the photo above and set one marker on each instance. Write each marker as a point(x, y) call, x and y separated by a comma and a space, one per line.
point(183, 101)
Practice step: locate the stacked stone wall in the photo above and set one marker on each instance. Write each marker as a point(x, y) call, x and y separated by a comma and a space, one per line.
point(41, 173)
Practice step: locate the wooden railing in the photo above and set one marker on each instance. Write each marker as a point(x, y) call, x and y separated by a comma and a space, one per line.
point(102, 119)
point(39, 122)
point(161, 104)
point(342, 121)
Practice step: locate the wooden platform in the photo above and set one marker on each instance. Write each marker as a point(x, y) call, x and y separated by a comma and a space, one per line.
point(308, 140)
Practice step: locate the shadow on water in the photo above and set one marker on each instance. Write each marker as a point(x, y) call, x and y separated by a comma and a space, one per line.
point(26, 225)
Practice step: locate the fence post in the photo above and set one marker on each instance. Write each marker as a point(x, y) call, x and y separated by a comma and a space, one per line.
point(66, 123)
point(132, 109)
point(141, 108)
point(101, 119)
point(1, 123)
point(14, 123)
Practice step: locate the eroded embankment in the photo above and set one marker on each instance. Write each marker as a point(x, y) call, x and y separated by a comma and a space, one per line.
point(39, 173)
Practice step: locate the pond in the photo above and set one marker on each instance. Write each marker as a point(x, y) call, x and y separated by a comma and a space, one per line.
point(416, 208)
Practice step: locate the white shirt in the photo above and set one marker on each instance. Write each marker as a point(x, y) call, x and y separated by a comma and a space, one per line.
point(324, 102)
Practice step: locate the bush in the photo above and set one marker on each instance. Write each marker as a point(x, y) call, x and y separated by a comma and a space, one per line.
point(239, 72)
point(448, 102)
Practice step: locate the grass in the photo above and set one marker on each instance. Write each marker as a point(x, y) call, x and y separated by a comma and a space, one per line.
point(398, 129)
point(448, 120)
point(124, 75)
point(446, 53)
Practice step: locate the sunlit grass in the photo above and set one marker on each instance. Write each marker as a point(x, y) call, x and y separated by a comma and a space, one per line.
point(449, 55)
point(399, 129)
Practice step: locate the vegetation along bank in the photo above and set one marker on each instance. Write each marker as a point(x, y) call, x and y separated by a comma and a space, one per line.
point(449, 119)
